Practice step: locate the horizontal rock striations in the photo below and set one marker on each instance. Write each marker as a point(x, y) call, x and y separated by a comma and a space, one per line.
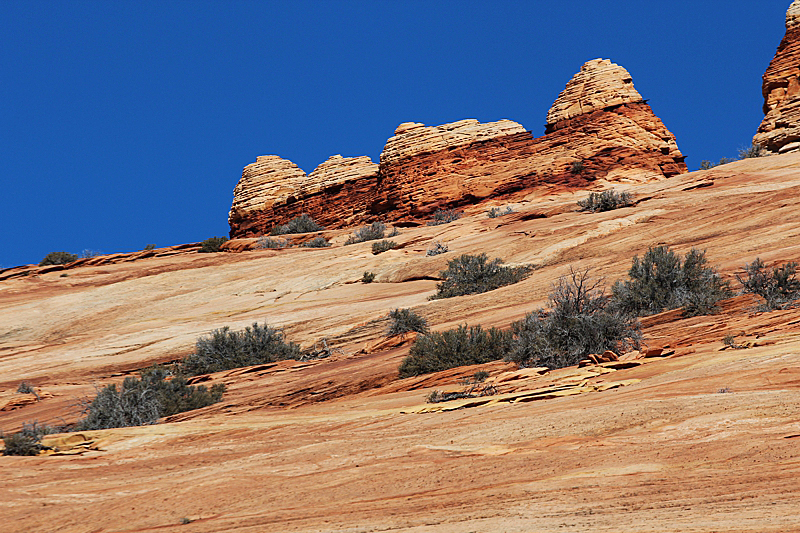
point(780, 130)
point(600, 127)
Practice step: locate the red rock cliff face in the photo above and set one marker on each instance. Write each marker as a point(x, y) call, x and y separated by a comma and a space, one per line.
point(780, 130)
point(599, 120)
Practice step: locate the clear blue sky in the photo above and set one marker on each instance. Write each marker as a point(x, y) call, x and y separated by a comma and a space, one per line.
point(128, 123)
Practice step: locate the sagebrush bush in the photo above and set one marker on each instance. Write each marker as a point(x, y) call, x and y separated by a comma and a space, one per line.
point(436, 249)
point(58, 258)
point(317, 242)
point(383, 246)
point(299, 224)
point(444, 216)
point(462, 346)
point(577, 167)
point(368, 277)
point(212, 244)
point(754, 150)
point(26, 388)
point(577, 324)
point(706, 164)
point(498, 212)
point(265, 242)
point(27, 441)
point(149, 247)
point(143, 400)
point(778, 286)
point(224, 349)
point(373, 232)
point(473, 274)
point(662, 280)
point(405, 321)
point(605, 201)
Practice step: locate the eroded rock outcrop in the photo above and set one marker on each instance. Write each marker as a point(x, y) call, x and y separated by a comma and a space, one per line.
point(599, 121)
point(780, 130)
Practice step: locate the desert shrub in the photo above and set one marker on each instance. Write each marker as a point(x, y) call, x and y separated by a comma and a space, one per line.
point(265, 242)
point(498, 212)
point(58, 258)
point(577, 324)
point(373, 232)
point(224, 349)
point(404, 321)
point(753, 150)
point(26, 388)
point(317, 242)
point(444, 216)
point(436, 249)
point(299, 224)
point(368, 277)
point(662, 280)
point(394, 233)
point(462, 346)
point(473, 274)
point(383, 246)
point(577, 167)
point(480, 376)
point(149, 247)
point(143, 400)
point(706, 164)
point(778, 286)
point(212, 244)
point(27, 441)
point(605, 201)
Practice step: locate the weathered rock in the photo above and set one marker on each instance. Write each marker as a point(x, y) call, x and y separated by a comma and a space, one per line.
point(780, 130)
point(599, 120)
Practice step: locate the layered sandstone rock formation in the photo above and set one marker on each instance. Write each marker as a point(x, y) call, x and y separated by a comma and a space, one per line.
point(780, 130)
point(599, 121)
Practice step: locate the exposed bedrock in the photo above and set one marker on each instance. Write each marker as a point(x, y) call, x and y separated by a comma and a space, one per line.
point(599, 121)
point(780, 130)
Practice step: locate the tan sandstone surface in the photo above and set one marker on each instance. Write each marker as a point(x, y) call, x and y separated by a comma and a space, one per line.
point(342, 445)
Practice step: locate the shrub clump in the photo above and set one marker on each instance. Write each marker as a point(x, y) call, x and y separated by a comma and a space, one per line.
point(754, 150)
point(383, 246)
point(27, 441)
point(373, 232)
point(577, 324)
point(58, 258)
point(778, 286)
point(462, 346)
point(405, 321)
point(212, 244)
point(436, 249)
point(26, 388)
point(605, 201)
point(577, 167)
point(662, 280)
point(143, 400)
point(265, 242)
point(473, 274)
point(444, 216)
point(368, 277)
point(317, 242)
point(496, 212)
point(224, 349)
point(299, 224)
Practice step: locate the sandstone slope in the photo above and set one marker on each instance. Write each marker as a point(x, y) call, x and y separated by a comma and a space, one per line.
point(340, 444)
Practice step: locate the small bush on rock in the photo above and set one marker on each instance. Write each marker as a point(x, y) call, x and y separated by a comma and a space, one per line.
point(405, 321)
point(373, 232)
point(27, 441)
point(444, 216)
point(778, 286)
point(577, 167)
point(662, 280)
point(383, 246)
point(143, 400)
point(753, 150)
point(368, 277)
point(212, 244)
point(472, 345)
point(473, 274)
point(299, 224)
point(224, 349)
point(58, 258)
point(577, 324)
point(436, 249)
point(317, 242)
point(605, 201)
point(265, 242)
point(26, 388)
point(496, 212)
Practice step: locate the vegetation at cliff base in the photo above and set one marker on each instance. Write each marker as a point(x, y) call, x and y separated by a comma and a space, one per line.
point(299, 224)
point(605, 201)
point(212, 244)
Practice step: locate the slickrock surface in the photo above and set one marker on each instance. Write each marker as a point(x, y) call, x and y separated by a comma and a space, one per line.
point(780, 130)
point(341, 445)
point(599, 120)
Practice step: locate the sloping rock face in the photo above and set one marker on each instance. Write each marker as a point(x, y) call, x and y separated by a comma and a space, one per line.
point(600, 127)
point(780, 130)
